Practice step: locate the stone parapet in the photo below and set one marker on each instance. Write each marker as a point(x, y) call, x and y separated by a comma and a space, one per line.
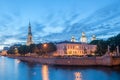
point(81, 61)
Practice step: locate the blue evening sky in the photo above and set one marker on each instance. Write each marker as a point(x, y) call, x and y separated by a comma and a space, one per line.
point(46, 16)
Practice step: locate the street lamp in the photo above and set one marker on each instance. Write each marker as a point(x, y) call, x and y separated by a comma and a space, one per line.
point(45, 47)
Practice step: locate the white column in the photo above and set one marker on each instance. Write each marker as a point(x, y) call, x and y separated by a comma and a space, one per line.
point(108, 51)
point(118, 51)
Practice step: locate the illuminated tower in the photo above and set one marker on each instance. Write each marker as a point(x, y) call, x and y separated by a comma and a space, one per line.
point(73, 39)
point(93, 37)
point(29, 38)
point(83, 38)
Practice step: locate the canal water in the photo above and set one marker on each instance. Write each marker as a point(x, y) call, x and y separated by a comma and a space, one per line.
point(14, 69)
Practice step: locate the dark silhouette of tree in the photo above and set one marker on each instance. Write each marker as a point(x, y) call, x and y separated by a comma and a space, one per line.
point(101, 46)
point(11, 50)
point(39, 50)
point(113, 42)
point(23, 49)
point(32, 48)
point(48, 47)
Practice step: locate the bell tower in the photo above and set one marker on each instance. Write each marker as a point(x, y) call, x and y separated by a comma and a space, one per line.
point(73, 39)
point(29, 37)
point(93, 37)
point(83, 38)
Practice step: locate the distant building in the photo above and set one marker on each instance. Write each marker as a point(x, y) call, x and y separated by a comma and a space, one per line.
point(29, 38)
point(3, 53)
point(73, 39)
point(75, 48)
point(93, 37)
point(83, 38)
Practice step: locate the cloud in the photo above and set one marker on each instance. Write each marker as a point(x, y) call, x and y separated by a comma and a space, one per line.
point(56, 23)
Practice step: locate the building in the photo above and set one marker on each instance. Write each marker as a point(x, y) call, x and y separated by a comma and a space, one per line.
point(83, 38)
point(93, 37)
point(73, 39)
point(3, 52)
point(75, 48)
point(29, 37)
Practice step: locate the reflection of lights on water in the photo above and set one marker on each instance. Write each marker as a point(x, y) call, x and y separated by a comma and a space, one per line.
point(2, 57)
point(78, 76)
point(45, 72)
point(17, 60)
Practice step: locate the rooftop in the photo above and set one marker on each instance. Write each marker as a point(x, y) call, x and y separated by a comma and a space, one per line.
point(69, 42)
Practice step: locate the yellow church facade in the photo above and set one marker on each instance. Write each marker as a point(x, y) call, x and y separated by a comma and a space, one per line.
point(75, 48)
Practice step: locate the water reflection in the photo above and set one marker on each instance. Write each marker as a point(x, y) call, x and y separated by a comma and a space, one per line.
point(45, 72)
point(14, 69)
point(78, 76)
point(16, 65)
point(17, 61)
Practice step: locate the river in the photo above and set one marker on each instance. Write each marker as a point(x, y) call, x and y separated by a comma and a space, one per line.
point(14, 69)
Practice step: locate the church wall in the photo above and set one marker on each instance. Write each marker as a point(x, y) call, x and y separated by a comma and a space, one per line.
point(75, 49)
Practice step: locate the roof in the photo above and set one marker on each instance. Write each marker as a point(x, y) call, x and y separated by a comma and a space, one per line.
point(68, 42)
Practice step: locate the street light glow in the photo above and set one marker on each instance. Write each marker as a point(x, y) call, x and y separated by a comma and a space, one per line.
point(45, 45)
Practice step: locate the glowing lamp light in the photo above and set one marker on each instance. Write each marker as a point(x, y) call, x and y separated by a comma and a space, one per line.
point(45, 45)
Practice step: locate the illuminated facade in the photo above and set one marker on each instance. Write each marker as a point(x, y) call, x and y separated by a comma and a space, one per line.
point(93, 37)
point(73, 39)
point(83, 38)
point(75, 48)
point(3, 53)
point(29, 38)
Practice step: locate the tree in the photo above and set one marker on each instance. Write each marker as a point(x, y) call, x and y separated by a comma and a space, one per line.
point(39, 50)
point(23, 49)
point(49, 47)
point(32, 48)
point(101, 46)
point(113, 42)
point(11, 50)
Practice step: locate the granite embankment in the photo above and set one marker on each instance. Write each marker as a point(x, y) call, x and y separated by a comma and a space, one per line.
point(77, 61)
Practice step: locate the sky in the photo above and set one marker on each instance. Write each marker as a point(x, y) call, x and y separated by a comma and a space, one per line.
point(46, 16)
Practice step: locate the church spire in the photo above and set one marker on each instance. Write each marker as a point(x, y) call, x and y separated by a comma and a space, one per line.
point(29, 29)
point(29, 38)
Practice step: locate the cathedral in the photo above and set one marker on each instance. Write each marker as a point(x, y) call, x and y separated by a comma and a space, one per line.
point(83, 38)
point(73, 47)
point(73, 39)
point(29, 37)
point(93, 37)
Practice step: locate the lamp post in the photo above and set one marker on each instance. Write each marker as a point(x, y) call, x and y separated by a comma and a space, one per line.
point(85, 51)
point(118, 51)
point(45, 47)
point(16, 51)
